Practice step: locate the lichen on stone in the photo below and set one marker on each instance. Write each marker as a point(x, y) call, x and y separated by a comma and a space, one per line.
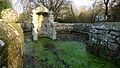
point(12, 33)
point(9, 15)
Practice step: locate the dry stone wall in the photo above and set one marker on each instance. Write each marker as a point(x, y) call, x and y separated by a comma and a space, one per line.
point(72, 31)
point(102, 39)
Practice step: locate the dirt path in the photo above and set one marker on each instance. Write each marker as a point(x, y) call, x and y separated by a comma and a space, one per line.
point(29, 60)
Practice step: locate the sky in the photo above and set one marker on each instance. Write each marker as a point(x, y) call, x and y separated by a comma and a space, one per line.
point(79, 3)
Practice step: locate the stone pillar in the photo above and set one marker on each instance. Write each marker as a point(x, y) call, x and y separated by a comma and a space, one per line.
point(35, 24)
point(11, 40)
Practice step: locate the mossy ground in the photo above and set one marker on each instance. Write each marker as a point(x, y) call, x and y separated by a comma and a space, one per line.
point(47, 53)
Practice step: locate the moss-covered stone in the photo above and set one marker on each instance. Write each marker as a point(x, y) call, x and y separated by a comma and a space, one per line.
point(12, 35)
point(9, 15)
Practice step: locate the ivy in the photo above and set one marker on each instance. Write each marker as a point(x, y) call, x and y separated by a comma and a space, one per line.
point(3, 5)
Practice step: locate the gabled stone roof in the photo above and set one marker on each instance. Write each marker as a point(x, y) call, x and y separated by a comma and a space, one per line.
point(40, 9)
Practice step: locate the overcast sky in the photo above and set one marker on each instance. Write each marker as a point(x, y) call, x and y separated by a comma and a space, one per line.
point(79, 3)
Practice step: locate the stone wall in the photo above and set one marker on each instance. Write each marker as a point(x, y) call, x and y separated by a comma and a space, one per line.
point(70, 31)
point(102, 39)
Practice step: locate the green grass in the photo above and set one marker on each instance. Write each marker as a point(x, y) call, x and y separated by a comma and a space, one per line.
point(72, 53)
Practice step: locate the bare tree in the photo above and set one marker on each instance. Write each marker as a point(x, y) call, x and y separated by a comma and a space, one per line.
point(106, 7)
point(54, 5)
point(96, 9)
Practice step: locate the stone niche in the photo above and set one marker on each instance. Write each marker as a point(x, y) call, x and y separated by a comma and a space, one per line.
point(11, 40)
point(43, 26)
point(39, 15)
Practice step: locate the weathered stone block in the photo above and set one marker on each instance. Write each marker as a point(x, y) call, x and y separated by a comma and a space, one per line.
point(93, 30)
point(103, 32)
point(114, 33)
point(113, 46)
point(118, 40)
